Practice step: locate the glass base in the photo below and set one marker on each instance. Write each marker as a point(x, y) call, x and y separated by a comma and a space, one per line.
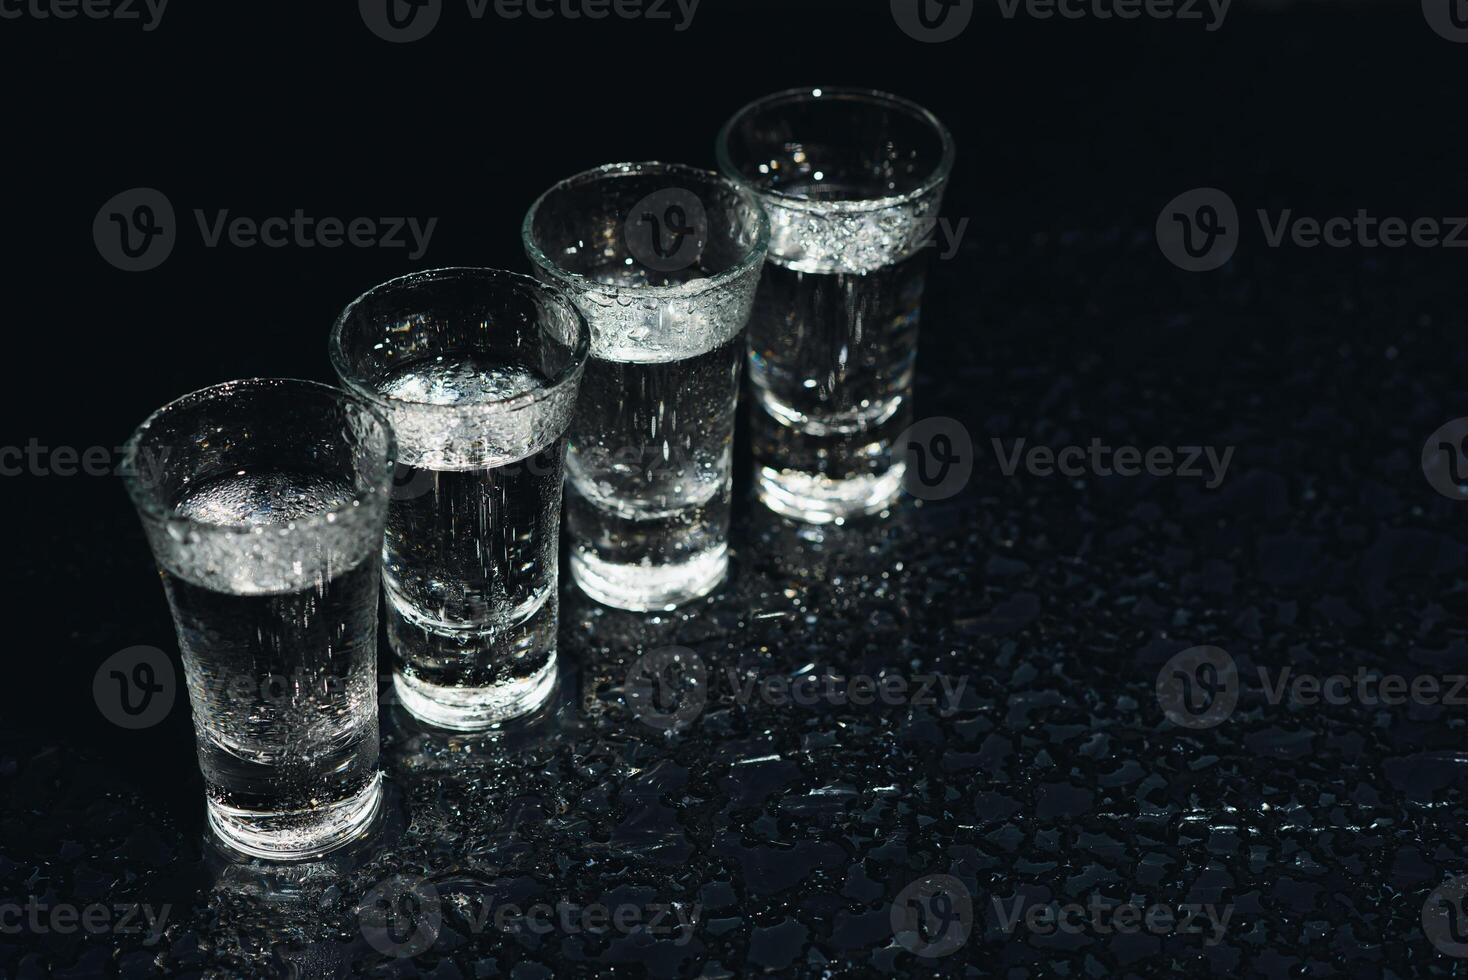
point(297, 835)
point(647, 588)
point(818, 499)
point(472, 709)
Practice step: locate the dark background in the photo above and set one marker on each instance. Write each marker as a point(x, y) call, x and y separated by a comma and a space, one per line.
point(1059, 319)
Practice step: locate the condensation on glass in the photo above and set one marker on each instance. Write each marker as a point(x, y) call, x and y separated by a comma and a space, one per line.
point(478, 371)
point(852, 181)
point(264, 503)
point(664, 261)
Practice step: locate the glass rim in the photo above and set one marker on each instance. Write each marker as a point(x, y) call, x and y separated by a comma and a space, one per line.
point(839, 93)
point(753, 258)
point(580, 347)
point(149, 505)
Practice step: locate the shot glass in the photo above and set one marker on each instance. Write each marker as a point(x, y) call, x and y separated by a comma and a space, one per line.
point(664, 261)
point(852, 181)
point(263, 502)
point(478, 371)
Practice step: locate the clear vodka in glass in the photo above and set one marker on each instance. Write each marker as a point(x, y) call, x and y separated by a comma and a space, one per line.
point(664, 261)
point(264, 503)
point(478, 371)
point(852, 181)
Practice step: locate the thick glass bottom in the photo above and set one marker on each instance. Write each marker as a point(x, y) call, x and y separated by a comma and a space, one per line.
point(818, 499)
point(644, 587)
point(467, 677)
point(472, 709)
point(297, 835)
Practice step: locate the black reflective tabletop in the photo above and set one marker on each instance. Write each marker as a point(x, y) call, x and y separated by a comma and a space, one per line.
point(1171, 684)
